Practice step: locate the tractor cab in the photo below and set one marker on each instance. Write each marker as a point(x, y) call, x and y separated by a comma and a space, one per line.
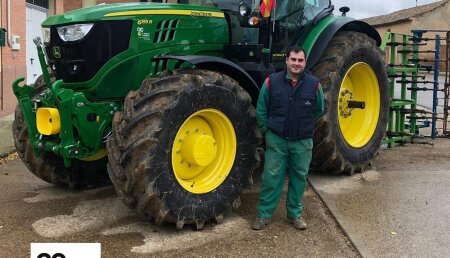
point(293, 21)
point(254, 38)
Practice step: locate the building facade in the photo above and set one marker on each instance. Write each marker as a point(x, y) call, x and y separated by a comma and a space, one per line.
point(21, 20)
point(434, 16)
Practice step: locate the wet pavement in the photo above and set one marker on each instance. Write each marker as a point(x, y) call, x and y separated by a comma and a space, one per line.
point(6, 138)
point(400, 213)
point(32, 211)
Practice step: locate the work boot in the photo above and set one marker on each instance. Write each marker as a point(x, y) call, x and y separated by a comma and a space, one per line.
point(260, 223)
point(298, 222)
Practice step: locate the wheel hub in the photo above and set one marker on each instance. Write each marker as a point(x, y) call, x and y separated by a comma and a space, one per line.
point(203, 151)
point(359, 105)
point(347, 104)
point(344, 110)
point(199, 149)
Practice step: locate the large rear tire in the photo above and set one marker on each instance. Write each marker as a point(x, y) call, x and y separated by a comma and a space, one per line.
point(347, 139)
point(49, 166)
point(184, 147)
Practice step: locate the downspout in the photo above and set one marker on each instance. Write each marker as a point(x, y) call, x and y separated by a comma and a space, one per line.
point(1, 66)
point(8, 8)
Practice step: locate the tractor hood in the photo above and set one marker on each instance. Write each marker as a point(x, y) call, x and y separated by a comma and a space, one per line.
point(125, 11)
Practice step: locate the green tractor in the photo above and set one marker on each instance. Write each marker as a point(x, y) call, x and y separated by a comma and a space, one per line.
point(159, 99)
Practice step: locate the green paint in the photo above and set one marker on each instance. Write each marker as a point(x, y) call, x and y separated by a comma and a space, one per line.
point(397, 128)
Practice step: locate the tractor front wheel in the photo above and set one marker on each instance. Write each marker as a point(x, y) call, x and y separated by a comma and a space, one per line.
point(184, 146)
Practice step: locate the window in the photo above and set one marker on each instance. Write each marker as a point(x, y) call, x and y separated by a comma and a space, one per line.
point(41, 3)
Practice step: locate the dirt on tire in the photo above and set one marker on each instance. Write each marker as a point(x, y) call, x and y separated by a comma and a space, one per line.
point(331, 153)
point(139, 148)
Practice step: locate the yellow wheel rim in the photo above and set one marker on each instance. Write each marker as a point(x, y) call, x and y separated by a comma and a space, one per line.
point(203, 151)
point(358, 125)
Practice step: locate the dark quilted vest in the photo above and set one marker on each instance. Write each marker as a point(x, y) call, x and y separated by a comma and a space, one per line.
point(291, 110)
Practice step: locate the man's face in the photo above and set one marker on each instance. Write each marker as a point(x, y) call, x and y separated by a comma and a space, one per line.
point(296, 63)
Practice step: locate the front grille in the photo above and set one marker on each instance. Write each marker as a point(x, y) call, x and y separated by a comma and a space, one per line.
point(80, 60)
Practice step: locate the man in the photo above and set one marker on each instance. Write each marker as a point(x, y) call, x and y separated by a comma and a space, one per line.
point(288, 105)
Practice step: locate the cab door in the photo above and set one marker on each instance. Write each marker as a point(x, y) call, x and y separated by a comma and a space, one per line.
point(293, 21)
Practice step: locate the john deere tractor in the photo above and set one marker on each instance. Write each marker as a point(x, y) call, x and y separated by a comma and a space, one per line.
point(160, 98)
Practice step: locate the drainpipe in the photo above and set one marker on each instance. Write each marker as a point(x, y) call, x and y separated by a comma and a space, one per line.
point(1, 68)
point(8, 8)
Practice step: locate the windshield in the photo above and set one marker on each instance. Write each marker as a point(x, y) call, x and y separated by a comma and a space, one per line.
point(299, 11)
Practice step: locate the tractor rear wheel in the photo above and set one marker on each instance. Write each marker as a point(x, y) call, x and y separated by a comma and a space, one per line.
point(49, 166)
point(354, 80)
point(184, 146)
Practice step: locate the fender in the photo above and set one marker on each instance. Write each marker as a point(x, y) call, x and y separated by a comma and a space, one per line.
point(221, 65)
point(343, 24)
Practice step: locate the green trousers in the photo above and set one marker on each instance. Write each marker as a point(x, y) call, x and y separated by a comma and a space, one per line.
point(282, 155)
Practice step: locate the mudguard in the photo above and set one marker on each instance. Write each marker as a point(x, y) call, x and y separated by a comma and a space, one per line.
point(221, 65)
point(343, 24)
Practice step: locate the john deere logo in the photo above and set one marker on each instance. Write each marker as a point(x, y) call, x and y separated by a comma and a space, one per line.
point(56, 52)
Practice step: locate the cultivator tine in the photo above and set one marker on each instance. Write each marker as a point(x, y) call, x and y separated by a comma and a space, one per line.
point(200, 224)
point(218, 219)
point(159, 220)
point(236, 203)
point(180, 224)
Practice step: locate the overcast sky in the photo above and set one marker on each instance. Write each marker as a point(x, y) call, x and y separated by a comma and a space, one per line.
point(367, 8)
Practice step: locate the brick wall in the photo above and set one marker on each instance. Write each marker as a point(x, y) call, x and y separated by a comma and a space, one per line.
point(18, 27)
point(13, 62)
point(59, 6)
point(72, 5)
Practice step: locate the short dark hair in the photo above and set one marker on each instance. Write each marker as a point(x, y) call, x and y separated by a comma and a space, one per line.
point(295, 49)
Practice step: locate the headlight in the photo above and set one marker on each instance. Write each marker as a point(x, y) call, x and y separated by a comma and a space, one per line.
point(46, 35)
point(74, 32)
point(244, 10)
point(253, 21)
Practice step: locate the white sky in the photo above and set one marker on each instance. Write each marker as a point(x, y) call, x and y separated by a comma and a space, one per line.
point(360, 9)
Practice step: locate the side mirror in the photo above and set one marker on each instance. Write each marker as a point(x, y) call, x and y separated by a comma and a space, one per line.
point(344, 10)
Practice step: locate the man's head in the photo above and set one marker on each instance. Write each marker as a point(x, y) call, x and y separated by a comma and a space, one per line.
point(295, 61)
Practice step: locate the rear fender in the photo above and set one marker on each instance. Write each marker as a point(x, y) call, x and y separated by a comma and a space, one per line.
point(342, 24)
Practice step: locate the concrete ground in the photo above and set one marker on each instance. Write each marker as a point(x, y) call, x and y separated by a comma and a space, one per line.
point(6, 138)
point(32, 211)
point(399, 209)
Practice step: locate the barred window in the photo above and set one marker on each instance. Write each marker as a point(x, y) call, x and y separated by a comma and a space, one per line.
point(41, 3)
